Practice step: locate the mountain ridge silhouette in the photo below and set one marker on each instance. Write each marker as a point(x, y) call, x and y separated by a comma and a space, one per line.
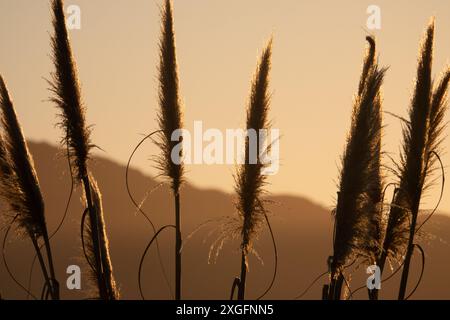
point(302, 230)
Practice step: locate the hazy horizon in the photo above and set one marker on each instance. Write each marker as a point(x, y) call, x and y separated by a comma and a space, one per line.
point(318, 47)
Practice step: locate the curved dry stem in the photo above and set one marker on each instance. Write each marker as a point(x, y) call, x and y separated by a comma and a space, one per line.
point(397, 117)
point(145, 253)
point(440, 196)
point(422, 252)
point(275, 255)
point(44, 291)
point(385, 189)
point(382, 281)
point(139, 209)
point(236, 284)
point(72, 184)
point(5, 262)
point(310, 286)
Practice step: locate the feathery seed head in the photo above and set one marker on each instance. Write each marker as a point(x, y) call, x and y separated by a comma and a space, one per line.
point(249, 179)
point(67, 96)
point(19, 182)
point(170, 115)
point(359, 187)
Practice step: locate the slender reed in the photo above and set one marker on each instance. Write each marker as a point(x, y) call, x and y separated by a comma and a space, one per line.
point(422, 140)
point(360, 181)
point(375, 224)
point(111, 288)
point(413, 160)
point(250, 180)
point(19, 187)
point(67, 96)
point(374, 209)
point(170, 120)
point(400, 216)
point(422, 136)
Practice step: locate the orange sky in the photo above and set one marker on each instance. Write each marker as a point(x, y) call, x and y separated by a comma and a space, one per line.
point(318, 48)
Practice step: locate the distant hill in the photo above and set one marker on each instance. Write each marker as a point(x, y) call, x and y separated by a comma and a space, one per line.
point(302, 229)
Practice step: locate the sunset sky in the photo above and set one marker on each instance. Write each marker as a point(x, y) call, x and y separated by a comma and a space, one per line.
point(317, 57)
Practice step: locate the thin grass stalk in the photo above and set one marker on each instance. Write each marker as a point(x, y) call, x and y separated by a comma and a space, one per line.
point(422, 137)
point(20, 186)
point(243, 277)
point(249, 180)
point(67, 96)
point(178, 246)
point(46, 274)
point(110, 284)
point(374, 206)
point(94, 234)
point(376, 224)
point(414, 171)
point(413, 160)
point(359, 175)
point(170, 120)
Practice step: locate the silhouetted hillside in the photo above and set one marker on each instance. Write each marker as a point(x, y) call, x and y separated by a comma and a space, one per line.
point(302, 229)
